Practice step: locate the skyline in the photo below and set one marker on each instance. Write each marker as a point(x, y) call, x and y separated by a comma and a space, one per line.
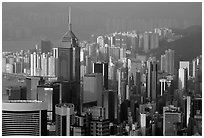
point(35, 21)
point(120, 81)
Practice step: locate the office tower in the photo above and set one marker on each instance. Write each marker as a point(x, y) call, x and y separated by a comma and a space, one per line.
point(123, 89)
point(185, 64)
point(45, 46)
point(146, 39)
point(31, 84)
point(118, 41)
point(169, 55)
point(152, 80)
point(9, 68)
point(11, 60)
point(79, 127)
point(138, 82)
point(119, 85)
point(31, 65)
point(16, 93)
point(99, 125)
point(38, 69)
point(163, 63)
point(93, 38)
point(182, 79)
point(47, 94)
point(64, 119)
point(24, 117)
point(93, 88)
point(143, 124)
point(124, 110)
point(44, 64)
point(169, 119)
point(34, 64)
point(194, 66)
point(69, 62)
point(102, 68)
point(100, 41)
point(110, 105)
point(163, 86)
point(51, 66)
point(3, 64)
point(188, 109)
point(197, 108)
point(89, 65)
point(122, 53)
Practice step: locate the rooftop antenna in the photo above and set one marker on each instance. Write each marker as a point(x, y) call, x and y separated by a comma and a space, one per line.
point(70, 25)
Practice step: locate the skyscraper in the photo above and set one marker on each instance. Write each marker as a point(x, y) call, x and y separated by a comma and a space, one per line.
point(45, 46)
point(93, 88)
point(102, 68)
point(169, 55)
point(110, 104)
point(169, 118)
point(24, 117)
point(69, 62)
point(182, 80)
point(152, 81)
point(64, 119)
point(185, 64)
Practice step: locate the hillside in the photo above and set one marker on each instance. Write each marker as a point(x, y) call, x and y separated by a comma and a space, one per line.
point(186, 48)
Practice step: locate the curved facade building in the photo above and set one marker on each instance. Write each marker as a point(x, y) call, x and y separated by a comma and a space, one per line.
point(24, 117)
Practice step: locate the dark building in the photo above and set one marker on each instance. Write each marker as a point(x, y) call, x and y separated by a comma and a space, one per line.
point(102, 68)
point(110, 105)
point(124, 110)
point(16, 93)
point(152, 81)
point(69, 63)
point(64, 119)
point(45, 46)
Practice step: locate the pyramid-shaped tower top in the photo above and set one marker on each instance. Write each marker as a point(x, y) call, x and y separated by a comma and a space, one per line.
point(69, 35)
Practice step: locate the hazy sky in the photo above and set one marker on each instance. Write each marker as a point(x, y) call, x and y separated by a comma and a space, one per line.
point(32, 21)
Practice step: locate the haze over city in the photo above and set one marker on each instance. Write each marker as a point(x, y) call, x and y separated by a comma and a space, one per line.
point(23, 22)
point(102, 69)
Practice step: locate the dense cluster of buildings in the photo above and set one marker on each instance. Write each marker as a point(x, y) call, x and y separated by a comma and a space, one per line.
point(103, 87)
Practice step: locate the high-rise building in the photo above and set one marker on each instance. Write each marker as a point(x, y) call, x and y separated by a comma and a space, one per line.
point(64, 119)
point(45, 46)
point(169, 55)
point(16, 93)
point(47, 94)
point(69, 62)
point(152, 80)
point(185, 64)
point(51, 66)
point(182, 79)
point(93, 88)
point(99, 125)
point(163, 63)
point(146, 39)
point(163, 86)
point(110, 104)
point(9, 68)
point(169, 119)
point(102, 68)
point(3, 64)
point(44, 64)
point(143, 124)
point(24, 117)
point(88, 65)
point(31, 84)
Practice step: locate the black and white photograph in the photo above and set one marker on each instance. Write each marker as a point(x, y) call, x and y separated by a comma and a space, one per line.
point(101, 68)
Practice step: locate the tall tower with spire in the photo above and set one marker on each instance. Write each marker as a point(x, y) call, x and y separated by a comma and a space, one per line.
point(69, 62)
